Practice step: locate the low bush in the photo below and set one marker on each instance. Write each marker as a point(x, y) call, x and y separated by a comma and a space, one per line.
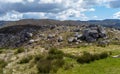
point(44, 66)
point(2, 65)
point(104, 55)
point(19, 50)
point(25, 60)
point(50, 63)
point(38, 57)
point(87, 57)
point(55, 54)
point(68, 66)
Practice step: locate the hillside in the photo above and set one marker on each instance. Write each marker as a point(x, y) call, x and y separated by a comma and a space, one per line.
point(32, 46)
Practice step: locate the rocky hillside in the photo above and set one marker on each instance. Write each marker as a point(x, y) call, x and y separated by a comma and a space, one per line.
point(47, 33)
point(47, 46)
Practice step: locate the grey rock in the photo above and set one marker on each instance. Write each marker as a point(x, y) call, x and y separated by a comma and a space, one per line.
point(116, 56)
point(104, 42)
point(31, 41)
point(51, 36)
point(60, 39)
point(91, 34)
point(70, 40)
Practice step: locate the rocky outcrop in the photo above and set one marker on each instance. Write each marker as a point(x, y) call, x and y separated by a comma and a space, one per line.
point(92, 34)
point(14, 40)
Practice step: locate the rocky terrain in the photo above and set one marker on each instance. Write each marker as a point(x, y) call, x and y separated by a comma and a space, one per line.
point(27, 32)
point(32, 37)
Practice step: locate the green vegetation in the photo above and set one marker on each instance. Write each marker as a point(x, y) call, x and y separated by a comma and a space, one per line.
point(82, 60)
point(50, 63)
point(25, 60)
point(103, 66)
point(87, 57)
point(2, 65)
point(19, 50)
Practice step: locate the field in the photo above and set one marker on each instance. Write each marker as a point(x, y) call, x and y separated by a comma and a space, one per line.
point(107, 65)
point(104, 66)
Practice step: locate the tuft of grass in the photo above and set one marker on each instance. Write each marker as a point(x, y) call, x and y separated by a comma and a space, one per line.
point(19, 50)
point(25, 60)
point(2, 65)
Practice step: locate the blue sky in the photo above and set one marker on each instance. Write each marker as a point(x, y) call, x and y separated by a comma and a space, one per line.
point(59, 9)
point(102, 12)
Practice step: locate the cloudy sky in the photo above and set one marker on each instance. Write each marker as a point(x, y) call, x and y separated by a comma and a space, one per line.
point(59, 9)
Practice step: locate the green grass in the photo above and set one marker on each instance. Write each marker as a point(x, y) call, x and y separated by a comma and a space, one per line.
point(103, 66)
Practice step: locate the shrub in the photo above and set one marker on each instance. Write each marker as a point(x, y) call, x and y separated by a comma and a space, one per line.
point(25, 60)
point(70, 56)
point(19, 50)
point(38, 57)
point(55, 54)
point(55, 51)
point(95, 57)
point(52, 62)
point(104, 55)
point(44, 66)
point(68, 66)
point(87, 57)
point(2, 65)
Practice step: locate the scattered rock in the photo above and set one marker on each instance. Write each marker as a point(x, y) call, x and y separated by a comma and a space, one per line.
point(60, 39)
point(70, 40)
point(31, 41)
point(51, 36)
point(42, 35)
point(104, 42)
point(116, 56)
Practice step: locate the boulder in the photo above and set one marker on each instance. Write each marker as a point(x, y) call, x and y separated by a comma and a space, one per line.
point(31, 41)
point(116, 56)
point(72, 39)
point(60, 39)
point(76, 30)
point(93, 33)
point(51, 36)
point(28, 35)
point(104, 42)
point(42, 35)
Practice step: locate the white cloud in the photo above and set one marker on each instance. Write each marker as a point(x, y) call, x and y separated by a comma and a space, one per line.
point(116, 15)
point(55, 9)
point(11, 1)
point(12, 16)
point(95, 17)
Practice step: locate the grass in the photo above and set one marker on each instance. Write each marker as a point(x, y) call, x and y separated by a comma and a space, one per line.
point(103, 66)
point(51, 62)
point(70, 66)
point(2, 65)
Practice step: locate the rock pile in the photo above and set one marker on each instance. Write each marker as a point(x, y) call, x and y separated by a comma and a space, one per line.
point(92, 34)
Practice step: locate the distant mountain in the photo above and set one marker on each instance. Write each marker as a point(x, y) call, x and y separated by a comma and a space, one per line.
point(107, 22)
point(2, 23)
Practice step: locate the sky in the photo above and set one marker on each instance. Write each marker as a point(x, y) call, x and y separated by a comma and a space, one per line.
point(59, 9)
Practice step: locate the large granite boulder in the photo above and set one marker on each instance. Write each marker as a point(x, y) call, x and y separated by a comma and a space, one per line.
point(91, 34)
